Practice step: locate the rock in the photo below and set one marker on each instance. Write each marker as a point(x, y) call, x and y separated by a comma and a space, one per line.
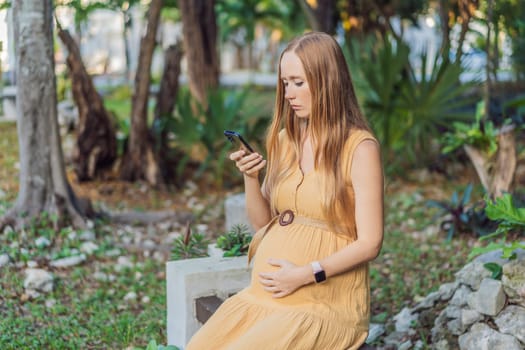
point(404, 320)
point(4, 260)
point(513, 280)
point(405, 346)
point(482, 337)
point(489, 299)
point(453, 311)
point(456, 327)
point(427, 302)
point(42, 242)
point(447, 290)
point(149, 244)
point(472, 274)
point(88, 248)
point(7, 230)
point(375, 330)
point(32, 264)
point(512, 321)
point(87, 235)
point(469, 317)
point(123, 262)
point(50, 303)
point(69, 261)
point(395, 338)
point(103, 277)
point(442, 345)
point(130, 296)
point(38, 280)
point(461, 295)
point(113, 252)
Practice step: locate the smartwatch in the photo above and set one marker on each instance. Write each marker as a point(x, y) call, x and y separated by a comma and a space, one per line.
point(319, 274)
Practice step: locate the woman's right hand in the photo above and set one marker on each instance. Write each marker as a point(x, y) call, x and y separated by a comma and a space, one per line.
point(250, 164)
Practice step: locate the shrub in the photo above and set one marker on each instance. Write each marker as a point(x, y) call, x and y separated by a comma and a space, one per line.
point(511, 219)
point(190, 246)
point(236, 241)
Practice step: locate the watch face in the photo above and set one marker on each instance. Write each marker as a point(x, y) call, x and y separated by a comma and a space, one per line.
point(320, 276)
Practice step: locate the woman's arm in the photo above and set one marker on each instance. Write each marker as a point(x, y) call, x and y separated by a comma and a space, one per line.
point(257, 207)
point(367, 181)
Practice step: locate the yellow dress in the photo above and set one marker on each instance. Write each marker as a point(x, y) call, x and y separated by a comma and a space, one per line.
point(333, 315)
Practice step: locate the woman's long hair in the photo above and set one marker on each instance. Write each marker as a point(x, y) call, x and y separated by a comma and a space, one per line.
point(334, 113)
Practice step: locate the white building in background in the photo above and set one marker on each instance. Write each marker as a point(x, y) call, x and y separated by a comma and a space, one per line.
point(103, 48)
point(102, 42)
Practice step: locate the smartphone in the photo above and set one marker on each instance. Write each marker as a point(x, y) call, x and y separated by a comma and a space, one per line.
point(237, 140)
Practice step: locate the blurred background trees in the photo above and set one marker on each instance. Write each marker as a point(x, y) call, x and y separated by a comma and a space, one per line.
point(174, 74)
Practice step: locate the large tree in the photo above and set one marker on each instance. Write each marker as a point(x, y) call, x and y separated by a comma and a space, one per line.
point(199, 28)
point(96, 146)
point(139, 161)
point(43, 184)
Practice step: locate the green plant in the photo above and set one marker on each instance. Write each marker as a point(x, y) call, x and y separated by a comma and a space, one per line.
point(480, 135)
point(152, 345)
point(511, 219)
point(236, 241)
point(189, 246)
point(406, 105)
point(457, 208)
point(197, 130)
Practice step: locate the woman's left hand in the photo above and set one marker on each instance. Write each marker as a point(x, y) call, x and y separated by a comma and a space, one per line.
point(286, 280)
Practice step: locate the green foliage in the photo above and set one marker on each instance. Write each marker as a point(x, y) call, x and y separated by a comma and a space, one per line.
point(236, 241)
point(407, 106)
point(152, 345)
point(480, 135)
point(195, 129)
point(510, 220)
point(237, 20)
point(189, 246)
point(496, 269)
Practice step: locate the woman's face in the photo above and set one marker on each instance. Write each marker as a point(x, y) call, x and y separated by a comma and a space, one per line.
point(296, 89)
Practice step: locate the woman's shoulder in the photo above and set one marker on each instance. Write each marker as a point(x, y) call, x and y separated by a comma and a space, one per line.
point(356, 136)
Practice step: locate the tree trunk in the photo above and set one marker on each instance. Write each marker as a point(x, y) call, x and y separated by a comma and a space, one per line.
point(166, 98)
point(465, 10)
point(321, 15)
point(200, 45)
point(496, 174)
point(445, 29)
point(125, 31)
point(139, 161)
point(96, 148)
point(43, 184)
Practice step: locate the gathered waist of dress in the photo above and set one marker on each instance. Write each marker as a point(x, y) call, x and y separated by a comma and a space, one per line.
point(288, 217)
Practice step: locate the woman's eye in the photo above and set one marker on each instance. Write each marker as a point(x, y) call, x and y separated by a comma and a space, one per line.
point(299, 83)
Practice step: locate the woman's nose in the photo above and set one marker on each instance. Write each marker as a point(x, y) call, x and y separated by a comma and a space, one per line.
point(288, 94)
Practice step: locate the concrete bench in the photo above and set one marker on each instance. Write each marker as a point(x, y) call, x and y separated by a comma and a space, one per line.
point(196, 287)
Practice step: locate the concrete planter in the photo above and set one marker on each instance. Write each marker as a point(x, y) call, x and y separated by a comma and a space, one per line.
point(191, 279)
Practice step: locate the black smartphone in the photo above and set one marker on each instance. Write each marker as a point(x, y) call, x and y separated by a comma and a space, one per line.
point(237, 140)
